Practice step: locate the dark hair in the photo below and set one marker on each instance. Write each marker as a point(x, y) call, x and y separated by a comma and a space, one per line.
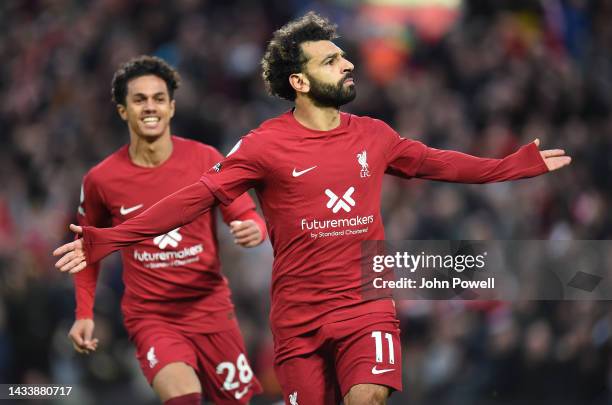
point(284, 55)
point(141, 66)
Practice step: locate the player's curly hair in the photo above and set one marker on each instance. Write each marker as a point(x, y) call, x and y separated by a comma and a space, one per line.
point(141, 66)
point(284, 55)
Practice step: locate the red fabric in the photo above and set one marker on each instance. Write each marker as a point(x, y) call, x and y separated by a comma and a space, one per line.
point(158, 344)
point(188, 399)
point(320, 193)
point(174, 276)
point(140, 231)
point(343, 354)
point(175, 210)
point(462, 168)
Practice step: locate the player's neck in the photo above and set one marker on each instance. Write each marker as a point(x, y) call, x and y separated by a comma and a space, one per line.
point(316, 118)
point(150, 153)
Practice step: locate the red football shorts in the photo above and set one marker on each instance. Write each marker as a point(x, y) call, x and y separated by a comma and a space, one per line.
point(218, 359)
point(327, 362)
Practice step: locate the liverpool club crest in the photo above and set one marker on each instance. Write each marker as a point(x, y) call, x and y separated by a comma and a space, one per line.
point(362, 158)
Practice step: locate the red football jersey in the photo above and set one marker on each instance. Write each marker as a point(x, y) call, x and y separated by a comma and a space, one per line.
point(176, 276)
point(320, 194)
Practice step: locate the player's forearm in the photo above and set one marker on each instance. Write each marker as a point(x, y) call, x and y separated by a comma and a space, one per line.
point(85, 291)
point(85, 299)
point(462, 168)
point(175, 210)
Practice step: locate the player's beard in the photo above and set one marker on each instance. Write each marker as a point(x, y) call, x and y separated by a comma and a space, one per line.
point(330, 95)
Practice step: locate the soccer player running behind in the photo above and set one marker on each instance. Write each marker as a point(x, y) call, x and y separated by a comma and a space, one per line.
point(176, 307)
point(318, 174)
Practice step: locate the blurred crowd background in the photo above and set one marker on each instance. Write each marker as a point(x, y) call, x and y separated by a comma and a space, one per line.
point(477, 76)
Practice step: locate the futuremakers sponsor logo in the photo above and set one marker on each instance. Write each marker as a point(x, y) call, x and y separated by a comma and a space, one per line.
point(171, 255)
point(172, 239)
point(345, 202)
point(336, 203)
point(336, 223)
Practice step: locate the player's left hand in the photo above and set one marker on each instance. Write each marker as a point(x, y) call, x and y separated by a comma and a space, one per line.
point(73, 254)
point(554, 158)
point(246, 233)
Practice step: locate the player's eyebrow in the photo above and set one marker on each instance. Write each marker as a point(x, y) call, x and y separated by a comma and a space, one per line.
point(334, 55)
point(143, 95)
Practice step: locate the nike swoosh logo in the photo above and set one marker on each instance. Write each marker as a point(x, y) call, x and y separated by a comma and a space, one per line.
point(239, 394)
point(376, 371)
point(125, 211)
point(298, 174)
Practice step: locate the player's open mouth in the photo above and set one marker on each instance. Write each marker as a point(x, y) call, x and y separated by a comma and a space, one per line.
point(150, 122)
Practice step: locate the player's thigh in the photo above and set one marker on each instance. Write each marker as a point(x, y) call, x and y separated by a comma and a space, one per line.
point(308, 379)
point(174, 380)
point(367, 394)
point(370, 355)
point(225, 373)
point(168, 360)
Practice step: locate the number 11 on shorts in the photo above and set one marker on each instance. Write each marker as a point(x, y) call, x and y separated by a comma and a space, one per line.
point(377, 335)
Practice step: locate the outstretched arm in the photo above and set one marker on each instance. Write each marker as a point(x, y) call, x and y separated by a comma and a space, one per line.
point(459, 167)
point(413, 159)
point(171, 212)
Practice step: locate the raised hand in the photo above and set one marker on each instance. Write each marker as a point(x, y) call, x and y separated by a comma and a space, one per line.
point(554, 158)
point(246, 233)
point(73, 255)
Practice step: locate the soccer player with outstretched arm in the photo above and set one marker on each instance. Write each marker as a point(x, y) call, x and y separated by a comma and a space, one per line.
point(176, 306)
point(318, 174)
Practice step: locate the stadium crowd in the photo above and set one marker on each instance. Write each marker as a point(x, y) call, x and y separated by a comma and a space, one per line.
point(500, 75)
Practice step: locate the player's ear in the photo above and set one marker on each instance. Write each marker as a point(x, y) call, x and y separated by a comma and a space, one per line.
point(172, 107)
point(122, 111)
point(299, 82)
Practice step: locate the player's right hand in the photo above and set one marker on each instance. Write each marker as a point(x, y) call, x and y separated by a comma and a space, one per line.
point(246, 233)
point(73, 259)
point(81, 335)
